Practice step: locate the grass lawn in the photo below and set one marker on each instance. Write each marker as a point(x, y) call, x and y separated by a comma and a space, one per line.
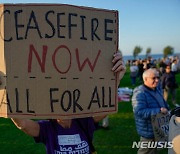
point(116, 140)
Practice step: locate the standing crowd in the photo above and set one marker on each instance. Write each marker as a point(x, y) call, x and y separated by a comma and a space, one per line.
point(167, 68)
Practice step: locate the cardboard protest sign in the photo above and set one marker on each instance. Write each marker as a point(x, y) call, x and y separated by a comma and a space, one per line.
point(56, 60)
point(160, 123)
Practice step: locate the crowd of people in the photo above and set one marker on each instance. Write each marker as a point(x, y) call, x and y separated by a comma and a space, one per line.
point(144, 64)
point(167, 68)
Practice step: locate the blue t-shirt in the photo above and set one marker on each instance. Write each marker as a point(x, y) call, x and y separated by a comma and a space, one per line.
point(59, 140)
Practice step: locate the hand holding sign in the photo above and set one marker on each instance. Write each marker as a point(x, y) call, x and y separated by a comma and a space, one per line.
point(118, 65)
point(163, 110)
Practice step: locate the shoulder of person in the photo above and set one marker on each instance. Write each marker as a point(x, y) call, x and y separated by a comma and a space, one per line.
point(139, 91)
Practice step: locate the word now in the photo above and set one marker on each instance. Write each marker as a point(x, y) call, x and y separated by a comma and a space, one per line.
point(42, 61)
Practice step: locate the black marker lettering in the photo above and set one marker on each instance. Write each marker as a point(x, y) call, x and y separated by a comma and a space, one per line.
point(8, 103)
point(93, 100)
point(50, 24)
point(106, 30)
point(18, 26)
point(76, 95)
point(62, 101)
point(27, 100)
point(2, 35)
point(51, 98)
point(17, 101)
point(32, 18)
point(94, 28)
point(110, 105)
point(82, 27)
point(70, 25)
point(59, 26)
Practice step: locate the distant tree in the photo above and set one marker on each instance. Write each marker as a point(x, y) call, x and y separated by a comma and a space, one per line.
point(148, 51)
point(136, 51)
point(168, 51)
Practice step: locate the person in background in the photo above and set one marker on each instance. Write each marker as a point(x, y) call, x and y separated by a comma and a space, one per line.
point(147, 100)
point(140, 69)
point(178, 62)
point(162, 66)
point(133, 72)
point(167, 61)
point(169, 84)
point(67, 135)
point(174, 66)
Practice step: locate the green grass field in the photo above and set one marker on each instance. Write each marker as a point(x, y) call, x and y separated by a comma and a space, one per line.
point(116, 140)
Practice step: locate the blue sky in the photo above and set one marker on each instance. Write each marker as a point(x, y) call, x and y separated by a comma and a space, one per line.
point(146, 23)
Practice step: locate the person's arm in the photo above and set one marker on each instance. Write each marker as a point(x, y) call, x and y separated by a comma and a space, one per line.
point(163, 110)
point(30, 127)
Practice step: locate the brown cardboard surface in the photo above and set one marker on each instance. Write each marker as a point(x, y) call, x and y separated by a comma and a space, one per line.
point(55, 61)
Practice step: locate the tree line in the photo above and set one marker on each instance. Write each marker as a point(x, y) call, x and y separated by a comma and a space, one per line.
point(166, 51)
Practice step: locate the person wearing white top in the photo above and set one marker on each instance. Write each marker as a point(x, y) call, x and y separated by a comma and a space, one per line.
point(133, 73)
point(174, 66)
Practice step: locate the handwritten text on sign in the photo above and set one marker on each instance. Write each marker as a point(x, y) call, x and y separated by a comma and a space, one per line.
point(58, 60)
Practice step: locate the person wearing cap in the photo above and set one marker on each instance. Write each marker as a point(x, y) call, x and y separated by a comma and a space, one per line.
point(147, 100)
point(70, 135)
